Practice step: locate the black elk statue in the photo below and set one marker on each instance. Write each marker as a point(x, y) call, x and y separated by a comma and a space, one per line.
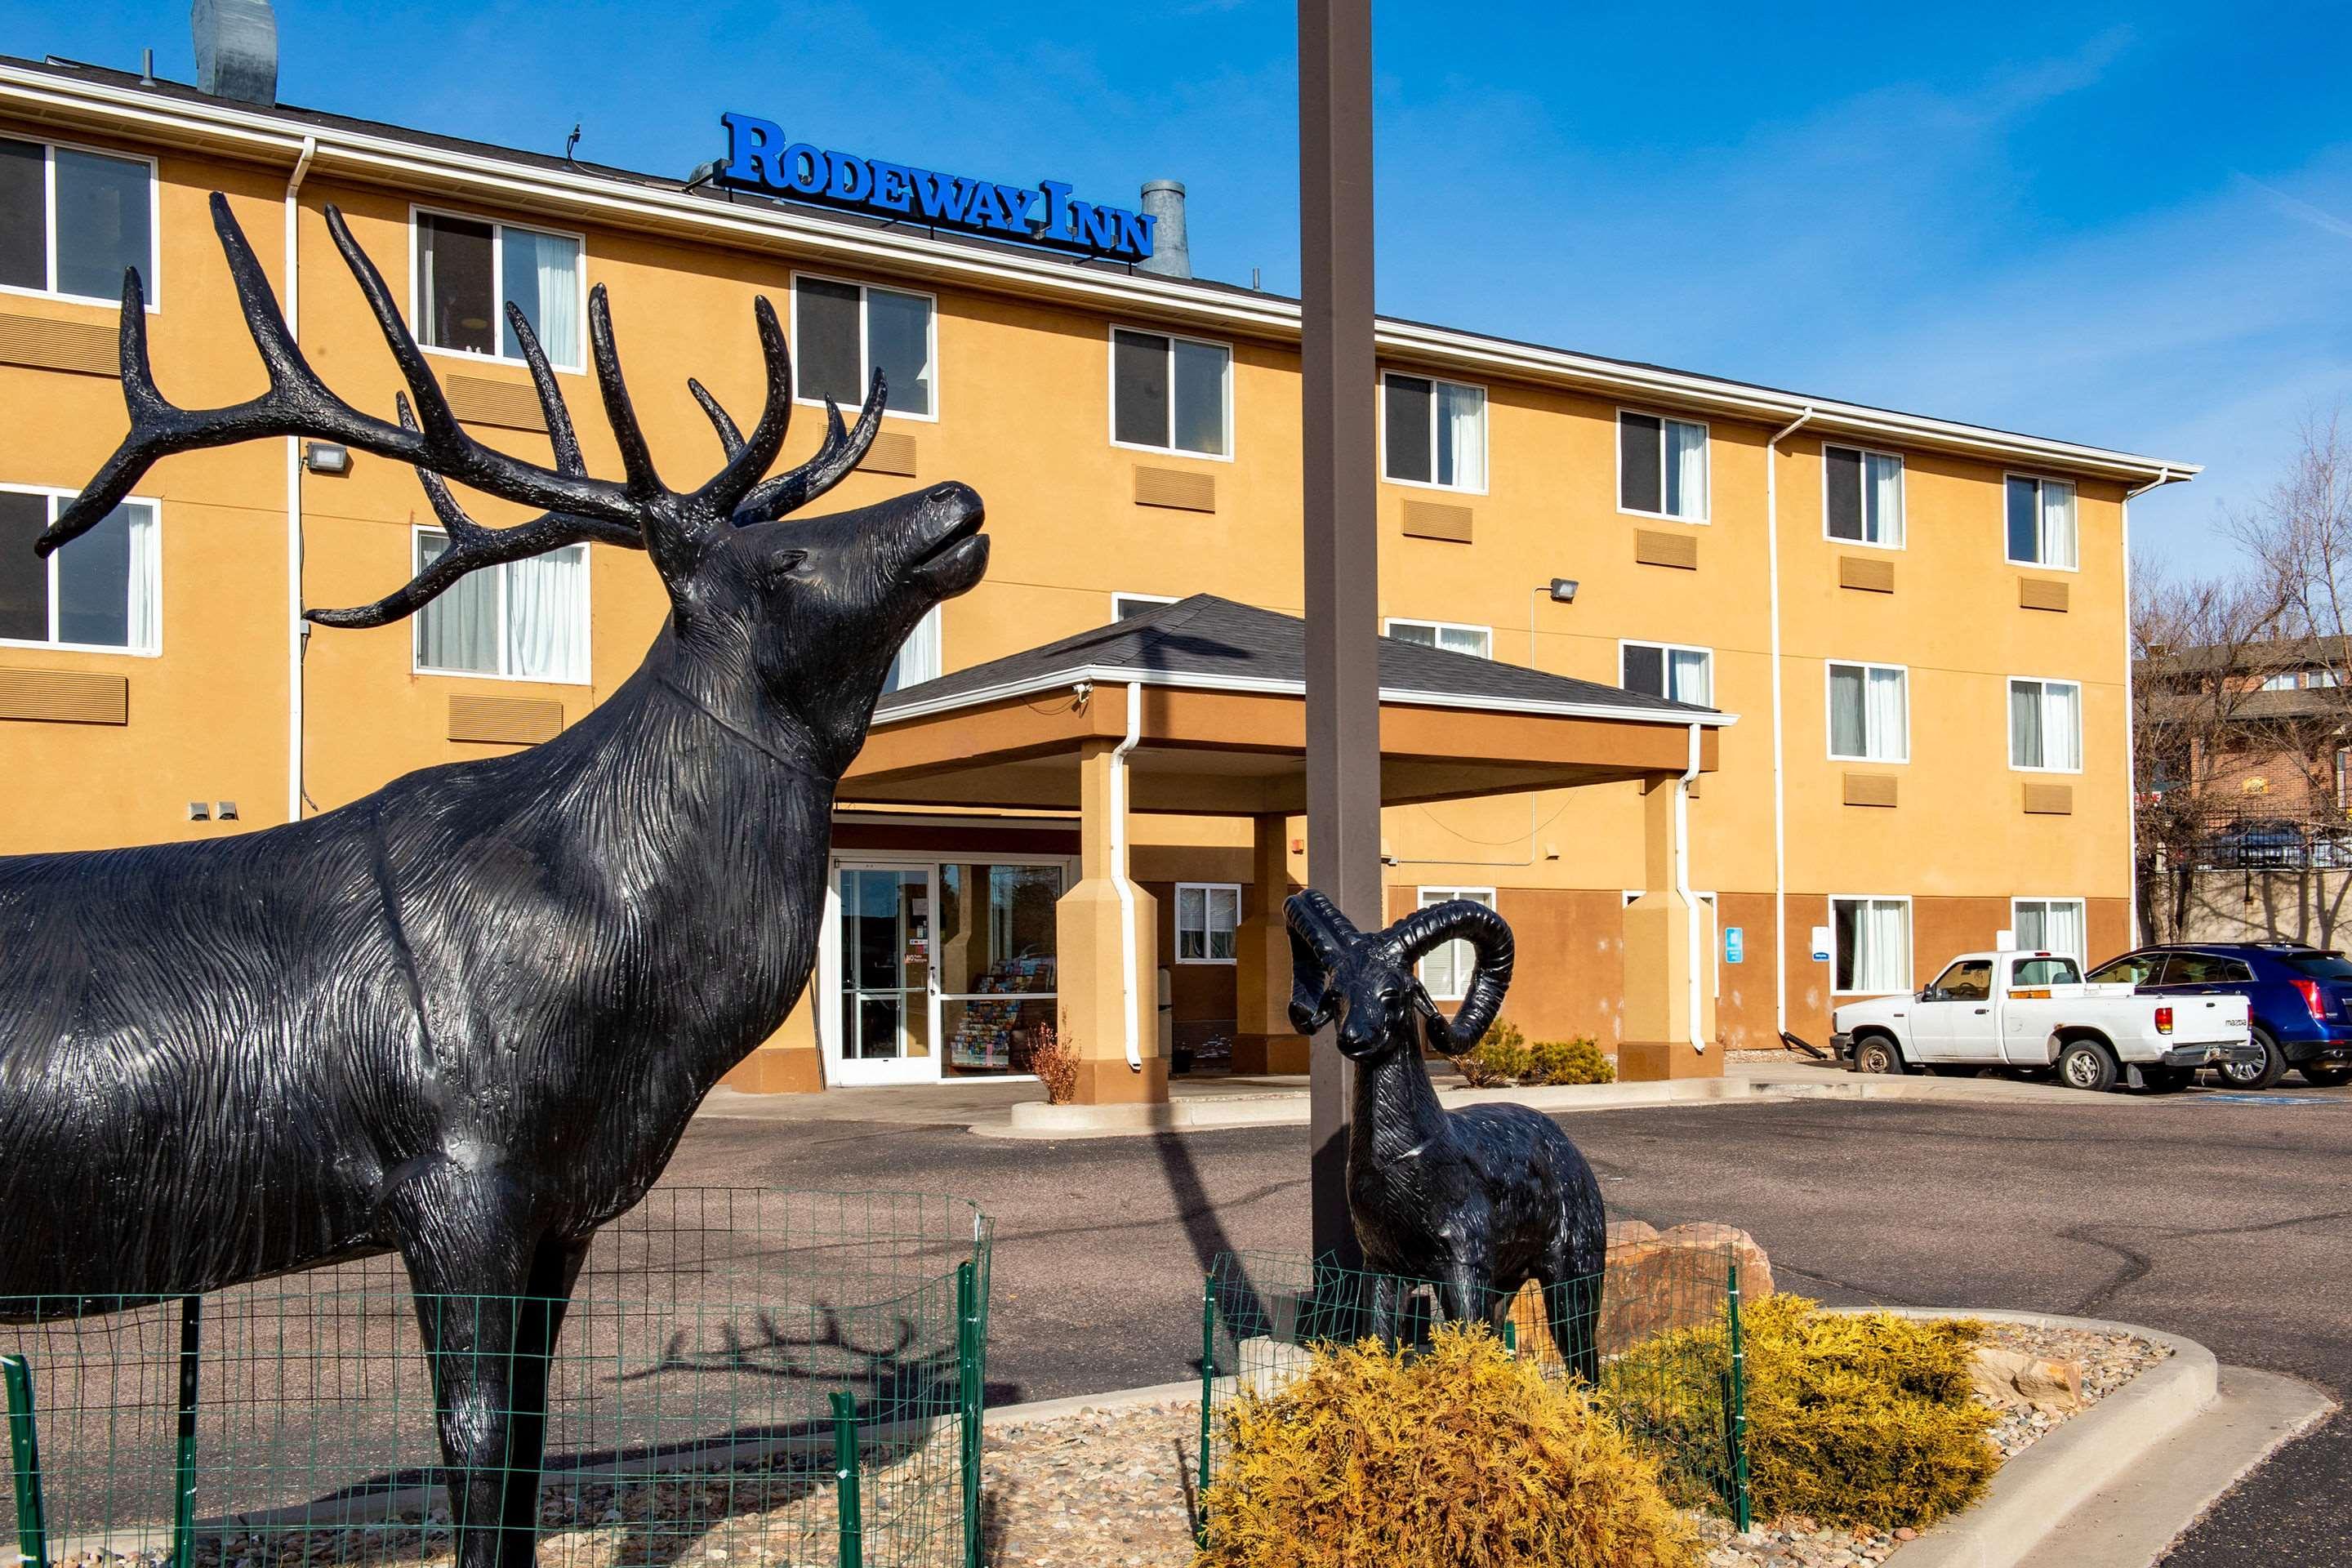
point(1481, 1200)
point(468, 1017)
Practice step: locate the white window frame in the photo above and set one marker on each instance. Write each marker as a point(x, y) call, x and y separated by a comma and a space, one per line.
point(1176, 946)
point(1110, 389)
point(1617, 444)
point(2284, 681)
point(2083, 905)
point(1910, 938)
point(1675, 648)
point(1485, 440)
point(498, 228)
point(2039, 479)
point(1422, 898)
point(1388, 626)
point(151, 276)
point(1828, 723)
point(416, 533)
point(153, 565)
point(2008, 691)
point(865, 345)
point(1903, 487)
point(1116, 599)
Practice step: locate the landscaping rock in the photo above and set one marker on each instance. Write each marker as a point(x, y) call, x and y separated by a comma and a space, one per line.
point(1673, 1279)
point(2010, 1379)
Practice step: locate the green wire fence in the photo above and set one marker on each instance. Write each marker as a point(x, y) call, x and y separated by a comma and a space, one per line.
point(1681, 1396)
point(745, 1379)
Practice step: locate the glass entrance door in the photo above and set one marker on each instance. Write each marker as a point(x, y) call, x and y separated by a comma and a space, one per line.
point(886, 1017)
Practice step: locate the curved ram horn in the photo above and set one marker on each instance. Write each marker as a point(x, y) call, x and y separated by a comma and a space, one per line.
point(1320, 937)
point(1460, 919)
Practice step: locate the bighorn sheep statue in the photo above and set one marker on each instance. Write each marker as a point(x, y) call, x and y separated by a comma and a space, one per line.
point(1480, 1200)
point(467, 1017)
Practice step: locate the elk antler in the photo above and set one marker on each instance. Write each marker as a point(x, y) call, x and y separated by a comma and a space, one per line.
point(841, 451)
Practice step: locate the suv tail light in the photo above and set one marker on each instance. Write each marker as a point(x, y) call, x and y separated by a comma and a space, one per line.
point(2164, 1020)
point(2313, 1002)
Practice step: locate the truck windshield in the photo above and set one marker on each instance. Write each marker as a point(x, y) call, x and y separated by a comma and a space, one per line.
point(2044, 971)
point(2321, 965)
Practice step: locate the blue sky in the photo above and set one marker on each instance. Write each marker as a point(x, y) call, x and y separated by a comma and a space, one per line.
point(2126, 228)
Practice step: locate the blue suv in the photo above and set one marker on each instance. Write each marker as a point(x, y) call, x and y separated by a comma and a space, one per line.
point(2300, 996)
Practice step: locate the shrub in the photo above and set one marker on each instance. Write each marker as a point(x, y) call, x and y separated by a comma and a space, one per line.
point(1503, 1060)
point(1857, 1418)
point(1056, 1065)
point(1456, 1456)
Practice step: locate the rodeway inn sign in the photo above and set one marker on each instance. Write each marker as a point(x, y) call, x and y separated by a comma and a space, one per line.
point(760, 158)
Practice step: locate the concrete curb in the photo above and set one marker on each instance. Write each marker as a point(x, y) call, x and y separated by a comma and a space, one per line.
point(1202, 1113)
point(1116, 1399)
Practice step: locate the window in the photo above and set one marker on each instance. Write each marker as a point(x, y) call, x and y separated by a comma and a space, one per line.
point(1665, 670)
point(2025, 971)
point(467, 271)
point(2133, 969)
point(2205, 969)
point(844, 332)
point(1445, 971)
point(99, 592)
point(2049, 925)
point(1863, 494)
point(1970, 980)
point(1171, 394)
point(1870, 718)
point(525, 620)
point(2320, 679)
point(1127, 606)
point(1477, 641)
point(71, 220)
point(1870, 945)
point(2041, 522)
point(1433, 433)
point(2045, 726)
point(1662, 467)
point(918, 655)
point(2283, 681)
point(1206, 914)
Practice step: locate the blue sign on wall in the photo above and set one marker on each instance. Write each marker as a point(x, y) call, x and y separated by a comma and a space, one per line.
point(760, 158)
point(1735, 943)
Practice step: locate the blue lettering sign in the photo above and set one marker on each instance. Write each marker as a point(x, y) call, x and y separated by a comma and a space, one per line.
point(761, 159)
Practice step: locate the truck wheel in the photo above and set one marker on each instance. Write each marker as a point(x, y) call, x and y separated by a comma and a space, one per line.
point(1876, 1053)
point(2256, 1075)
point(2166, 1080)
point(2324, 1078)
point(2087, 1065)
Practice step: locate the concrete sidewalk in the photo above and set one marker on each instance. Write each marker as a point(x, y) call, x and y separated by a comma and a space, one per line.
point(1206, 1103)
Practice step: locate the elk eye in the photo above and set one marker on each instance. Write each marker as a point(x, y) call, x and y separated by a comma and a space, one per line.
point(775, 572)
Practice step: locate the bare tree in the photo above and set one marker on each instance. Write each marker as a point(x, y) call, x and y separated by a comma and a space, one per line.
point(2298, 539)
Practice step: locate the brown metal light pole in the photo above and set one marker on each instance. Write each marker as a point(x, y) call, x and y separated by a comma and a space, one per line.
point(1342, 545)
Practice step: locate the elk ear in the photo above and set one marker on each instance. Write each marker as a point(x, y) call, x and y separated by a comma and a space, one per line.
point(1312, 1003)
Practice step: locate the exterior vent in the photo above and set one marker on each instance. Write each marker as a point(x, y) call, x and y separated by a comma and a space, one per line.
point(1863, 571)
point(509, 404)
point(1171, 252)
point(1175, 488)
point(1428, 519)
point(893, 452)
point(65, 695)
point(1652, 548)
point(504, 721)
point(237, 49)
point(2049, 800)
point(44, 345)
point(1870, 789)
point(2041, 594)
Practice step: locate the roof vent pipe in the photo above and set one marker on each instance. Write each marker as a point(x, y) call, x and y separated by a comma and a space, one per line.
point(1163, 201)
point(237, 49)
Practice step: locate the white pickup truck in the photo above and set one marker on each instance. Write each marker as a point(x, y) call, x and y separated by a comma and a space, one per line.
point(2033, 1011)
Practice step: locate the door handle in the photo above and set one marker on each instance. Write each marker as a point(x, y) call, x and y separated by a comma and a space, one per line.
point(1982, 1011)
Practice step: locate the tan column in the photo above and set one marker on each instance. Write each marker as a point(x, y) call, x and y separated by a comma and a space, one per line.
point(1263, 1040)
point(1657, 1017)
point(1093, 925)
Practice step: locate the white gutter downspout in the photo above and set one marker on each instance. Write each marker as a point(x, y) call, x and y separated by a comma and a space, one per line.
point(1130, 991)
point(1779, 788)
point(2131, 739)
point(295, 625)
point(1682, 885)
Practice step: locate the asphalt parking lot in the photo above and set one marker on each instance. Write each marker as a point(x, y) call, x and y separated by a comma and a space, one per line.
point(2219, 1216)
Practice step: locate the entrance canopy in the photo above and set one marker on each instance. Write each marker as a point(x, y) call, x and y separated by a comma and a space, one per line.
point(1219, 723)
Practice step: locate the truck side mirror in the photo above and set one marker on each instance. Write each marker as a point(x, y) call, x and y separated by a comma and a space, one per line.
point(1933, 993)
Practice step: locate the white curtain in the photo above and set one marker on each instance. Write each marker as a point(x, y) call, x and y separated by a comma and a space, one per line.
point(547, 615)
point(459, 631)
point(1460, 435)
point(2061, 724)
point(2053, 925)
point(1445, 971)
point(1883, 501)
point(1686, 469)
point(1687, 676)
point(1879, 932)
point(918, 655)
point(1225, 914)
point(1890, 738)
point(146, 624)
point(542, 276)
point(2057, 523)
point(1475, 641)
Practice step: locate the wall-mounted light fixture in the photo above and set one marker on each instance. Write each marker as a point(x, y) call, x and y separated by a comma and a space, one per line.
point(326, 457)
point(1563, 590)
